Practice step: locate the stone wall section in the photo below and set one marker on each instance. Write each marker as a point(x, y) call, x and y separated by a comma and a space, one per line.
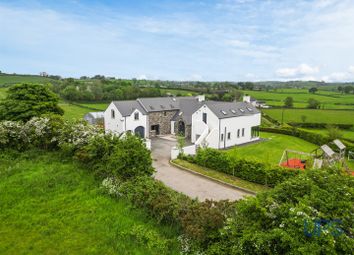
point(163, 119)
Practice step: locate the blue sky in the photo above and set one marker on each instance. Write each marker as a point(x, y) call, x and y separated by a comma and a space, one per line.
point(234, 40)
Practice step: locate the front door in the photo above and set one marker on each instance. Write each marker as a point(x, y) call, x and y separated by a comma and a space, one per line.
point(140, 131)
point(181, 128)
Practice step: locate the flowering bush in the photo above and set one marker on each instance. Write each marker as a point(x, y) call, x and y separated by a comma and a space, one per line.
point(13, 135)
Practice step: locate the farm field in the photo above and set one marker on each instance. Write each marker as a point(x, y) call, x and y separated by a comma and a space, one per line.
point(2, 93)
point(271, 150)
point(179, 92)
point(98, 106)
point(51, 206)
point(72, 112)
point(13, 79)
point(328, 99)
point(312, 115)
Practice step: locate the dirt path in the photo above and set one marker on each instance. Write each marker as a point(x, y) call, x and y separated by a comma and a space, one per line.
point(185, 182)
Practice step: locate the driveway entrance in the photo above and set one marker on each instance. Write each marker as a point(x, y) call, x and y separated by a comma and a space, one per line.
point(192, 185)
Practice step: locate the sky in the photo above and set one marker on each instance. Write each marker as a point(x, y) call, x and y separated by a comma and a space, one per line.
point(221, 40)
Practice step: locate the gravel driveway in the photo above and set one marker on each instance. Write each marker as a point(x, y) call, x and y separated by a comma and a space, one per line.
point(192, 185)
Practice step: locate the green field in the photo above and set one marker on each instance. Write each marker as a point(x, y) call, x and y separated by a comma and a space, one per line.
point(312, 115)
point(179, 92)
point(50, 206)
point(13, 79)
point(2, 93)
point(271, 149)
point(98, 106)
point(72, 112)
point(328, 99)
point(347, 134)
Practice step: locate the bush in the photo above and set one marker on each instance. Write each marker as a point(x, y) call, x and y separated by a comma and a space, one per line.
point(300, 216)
point(213, 159)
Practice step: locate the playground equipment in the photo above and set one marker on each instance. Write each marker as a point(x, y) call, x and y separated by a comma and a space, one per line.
point(296, 159)
point(324, 156)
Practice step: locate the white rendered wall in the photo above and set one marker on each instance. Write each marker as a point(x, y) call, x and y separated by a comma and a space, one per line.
point(122, 124)
point(132, 123)
point(234, 124)
point(115, 125)
point(198, 126)
point(172, 127)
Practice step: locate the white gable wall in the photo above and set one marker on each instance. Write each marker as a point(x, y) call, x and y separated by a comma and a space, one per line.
point(122, 124)
point(233, 124)
point(198, 125)
point(132, 123)
point(115, 125)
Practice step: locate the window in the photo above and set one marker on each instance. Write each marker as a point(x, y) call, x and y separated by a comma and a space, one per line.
point(222, 137)
point(243, 132)
point(205, 120)
point(164, 113)
point(113, 114)
point(255, 132)
point(136, 116)
point(238, 133)
point(228, 136)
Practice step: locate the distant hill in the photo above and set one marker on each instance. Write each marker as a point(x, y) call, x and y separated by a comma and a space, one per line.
point(9, 79)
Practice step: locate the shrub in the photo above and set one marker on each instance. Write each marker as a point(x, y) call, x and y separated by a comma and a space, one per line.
point(212, 158)
point(12, 135)
point(300, 216)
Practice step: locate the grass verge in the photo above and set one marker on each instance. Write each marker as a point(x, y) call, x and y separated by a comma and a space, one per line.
point(49, 205)
point(221, 176)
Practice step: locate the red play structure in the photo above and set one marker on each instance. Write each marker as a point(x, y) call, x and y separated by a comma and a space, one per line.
point(294, 163)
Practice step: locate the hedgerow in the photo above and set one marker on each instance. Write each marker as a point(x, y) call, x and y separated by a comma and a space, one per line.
point(252, 171)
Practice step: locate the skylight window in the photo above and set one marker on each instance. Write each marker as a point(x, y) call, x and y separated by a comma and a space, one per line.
point(162, 107)
point(223, 112)
point(152, 108)
point(249, 109)
point(180, 113)
point(242, 110)
point(233, 111)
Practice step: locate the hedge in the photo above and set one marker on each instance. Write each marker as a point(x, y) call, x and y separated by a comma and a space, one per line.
point(252, 171)
point(318, 125)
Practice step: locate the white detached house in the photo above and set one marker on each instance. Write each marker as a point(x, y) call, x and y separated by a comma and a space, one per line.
point(214, 124)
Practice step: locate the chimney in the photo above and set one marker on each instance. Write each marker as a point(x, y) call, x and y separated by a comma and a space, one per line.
point(200, 98)
point(247, 98)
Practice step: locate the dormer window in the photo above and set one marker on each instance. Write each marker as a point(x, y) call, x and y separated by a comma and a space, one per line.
point(136, 116)
point(113, 114)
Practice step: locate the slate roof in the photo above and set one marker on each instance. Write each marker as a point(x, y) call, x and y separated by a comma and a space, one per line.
point(185, 107)
point(231, 109)
point(126, 108)
point(96, 115)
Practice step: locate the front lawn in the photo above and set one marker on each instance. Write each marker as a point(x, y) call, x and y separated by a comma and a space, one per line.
point(50, 206)
point(271, 149)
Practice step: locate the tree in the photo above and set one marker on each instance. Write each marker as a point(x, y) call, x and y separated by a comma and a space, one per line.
point(25, 101)
point(313, 103)
point(340, 89)
point(333, 132)
point(313, 90)
point(348, 89)
point(303, 118)
point(289, 102)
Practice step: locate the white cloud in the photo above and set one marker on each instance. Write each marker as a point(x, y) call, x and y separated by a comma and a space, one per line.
point(299, 72)
point(351, 69)
point(340, 76)
point(238, 43)
point(196, 77)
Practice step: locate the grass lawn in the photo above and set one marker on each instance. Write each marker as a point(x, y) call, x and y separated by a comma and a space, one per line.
point(271, 150)
point(221, 176)
point(50, 206)
point(313, 116)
